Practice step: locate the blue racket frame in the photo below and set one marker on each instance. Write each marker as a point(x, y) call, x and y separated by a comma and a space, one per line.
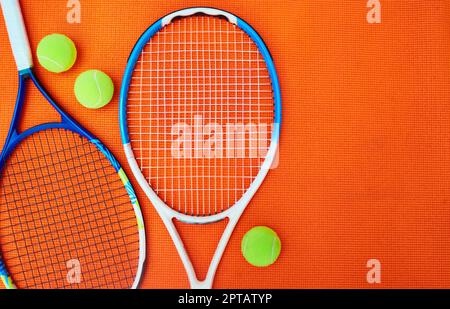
point(68, 123)
point(14, 138)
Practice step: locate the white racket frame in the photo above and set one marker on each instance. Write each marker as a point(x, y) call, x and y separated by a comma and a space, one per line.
point(233, 214)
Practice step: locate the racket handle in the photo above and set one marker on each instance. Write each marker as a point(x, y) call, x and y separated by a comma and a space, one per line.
point(17, 33)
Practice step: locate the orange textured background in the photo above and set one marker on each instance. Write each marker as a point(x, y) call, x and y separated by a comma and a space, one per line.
point(365, 148)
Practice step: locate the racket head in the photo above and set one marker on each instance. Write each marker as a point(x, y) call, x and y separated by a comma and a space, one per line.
point(151, 67)
point(66, 205)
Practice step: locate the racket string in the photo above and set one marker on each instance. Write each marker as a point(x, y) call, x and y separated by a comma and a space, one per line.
point(200, 68)
point(120, 238)
point(98, 260)
point(37, 228)
point(81, 229)
point(54, 270)
point(116, 238)
point(115, 275)
point(74, 186)
point(61, 200)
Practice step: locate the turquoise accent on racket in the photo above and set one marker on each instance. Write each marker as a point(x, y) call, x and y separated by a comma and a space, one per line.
point(107, 153)
point(6, 279)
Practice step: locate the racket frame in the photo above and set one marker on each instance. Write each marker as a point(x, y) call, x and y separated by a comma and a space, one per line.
point(20, 46)
point(233, 213)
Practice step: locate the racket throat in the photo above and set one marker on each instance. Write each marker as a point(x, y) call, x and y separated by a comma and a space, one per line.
point(201, 285)
point(194, 282)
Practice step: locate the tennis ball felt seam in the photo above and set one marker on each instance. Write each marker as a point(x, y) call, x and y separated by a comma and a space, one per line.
point(245, 244)
point(98, 88)
point(53, 61)
point(273, 250)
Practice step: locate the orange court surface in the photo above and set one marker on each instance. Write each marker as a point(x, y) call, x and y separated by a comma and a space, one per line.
point(364, 168)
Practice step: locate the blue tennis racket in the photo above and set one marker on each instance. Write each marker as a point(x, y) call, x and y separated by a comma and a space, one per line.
point(69, 217)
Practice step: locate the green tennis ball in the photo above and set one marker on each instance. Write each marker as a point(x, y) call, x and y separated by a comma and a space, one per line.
point(94, 89)
point(261, 246)
point(56, 53)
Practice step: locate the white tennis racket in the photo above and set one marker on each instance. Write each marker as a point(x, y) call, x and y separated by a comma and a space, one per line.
point(200, 119)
